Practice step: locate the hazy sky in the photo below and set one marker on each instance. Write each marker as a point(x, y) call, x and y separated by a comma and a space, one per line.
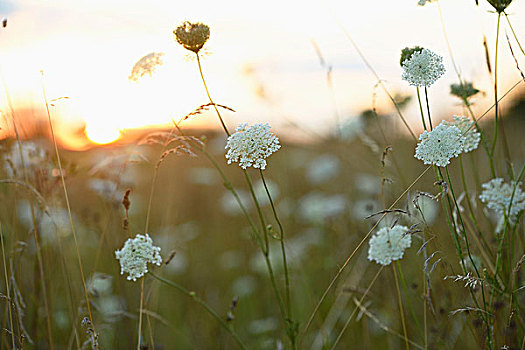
point(260, 58)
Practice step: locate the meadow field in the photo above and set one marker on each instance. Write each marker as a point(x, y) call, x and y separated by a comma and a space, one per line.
point(398, 228)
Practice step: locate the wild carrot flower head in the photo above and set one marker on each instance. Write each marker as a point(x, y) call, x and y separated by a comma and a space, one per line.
point(497, 195)
point(407, 52)
point(136, 254)
point(389, 244)
point(146, 65)
point(465, 125)
point(423, 68)
point(192, 36)
point(500, 5)
point(438, 146)
point(251, 145)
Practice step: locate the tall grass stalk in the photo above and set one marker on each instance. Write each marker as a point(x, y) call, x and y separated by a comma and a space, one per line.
point(68, 206)
point(33, 219)
point(349, 258)
point(8, 292)
point(400, 304)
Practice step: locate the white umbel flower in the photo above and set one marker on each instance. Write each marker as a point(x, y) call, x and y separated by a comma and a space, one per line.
point(423, 68)
point(472, 137)
point(251, 145)
point(438, 146)
point(136, 254)
point(497, 195)
point(389, 244)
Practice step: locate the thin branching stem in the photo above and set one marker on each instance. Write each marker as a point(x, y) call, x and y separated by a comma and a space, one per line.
point(401, 312)
point(202, 303)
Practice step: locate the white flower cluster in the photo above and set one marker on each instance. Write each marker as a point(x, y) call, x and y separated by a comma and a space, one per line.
point(389, 244)
point(472, 137)
point(440, 145)
point(136, 254)
point(146, 65)
point(423, 68)
point(250, 146)
point(497, 195)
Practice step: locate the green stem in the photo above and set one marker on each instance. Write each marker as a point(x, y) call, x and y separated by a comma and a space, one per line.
point(428, 108)
point(421, 108)
point(496, 89)
point(204, 305)
point(283, 251)
point(408, 299)
point(209, 96)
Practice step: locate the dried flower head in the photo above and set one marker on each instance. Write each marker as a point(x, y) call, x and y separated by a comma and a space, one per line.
point(464, 91)
point(424, 2)
point(250, 146)
point(423, 68)
point(472, 137)
point(192, 36)
point(497, 195)
point(438, 146)
point(499, 5)
point(389, 244)
point(136, 254)
point(146, 65)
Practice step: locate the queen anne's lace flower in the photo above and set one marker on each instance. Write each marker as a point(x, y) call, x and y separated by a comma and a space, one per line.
point(497, 194)
point(136, 254)
point(250, 146)
point(472, 137)
point(440, 145)
point(146, 65)
point(423, 68)
point(389, 244)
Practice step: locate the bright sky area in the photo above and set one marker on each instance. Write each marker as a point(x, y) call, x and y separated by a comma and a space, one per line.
point(259, 60)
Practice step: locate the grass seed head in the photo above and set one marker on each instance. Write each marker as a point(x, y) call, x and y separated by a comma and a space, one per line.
point(192, 36)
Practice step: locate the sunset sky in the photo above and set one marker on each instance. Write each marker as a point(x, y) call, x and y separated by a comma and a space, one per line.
point(259, 60)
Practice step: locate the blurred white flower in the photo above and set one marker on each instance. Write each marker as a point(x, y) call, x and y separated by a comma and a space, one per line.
point(202, 176)
point(146, 65)
point(105, 188)
point(230, 205)
point(472, 137)
point(100, 284)
point(350, 128)
point(423, 68)
point(136, 254)
point(264, 325)
point(250, 146)
point(438, 146)
point(389, 244)
point(367, 184)
point(244, 285)
point(365, 207)
point(497, 195)
point(322, 168)
point(317, 207)
point(429, 208)
point(262, 196)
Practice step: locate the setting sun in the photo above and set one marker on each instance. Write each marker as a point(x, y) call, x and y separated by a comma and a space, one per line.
point(101, 136)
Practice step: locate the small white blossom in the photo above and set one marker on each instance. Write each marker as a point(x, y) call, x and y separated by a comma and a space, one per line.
point(250, 146)
point(146, 65)
point(389, 244)
point(136, 254)
point(440, 145)
point(472, 137)
point(423, 68)
point(497, 194)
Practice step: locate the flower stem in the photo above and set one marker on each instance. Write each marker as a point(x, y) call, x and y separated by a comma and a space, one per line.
point(209, 96)
point(421, 108)
point(496, 88)
point(401, 312)
point(428, 108)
